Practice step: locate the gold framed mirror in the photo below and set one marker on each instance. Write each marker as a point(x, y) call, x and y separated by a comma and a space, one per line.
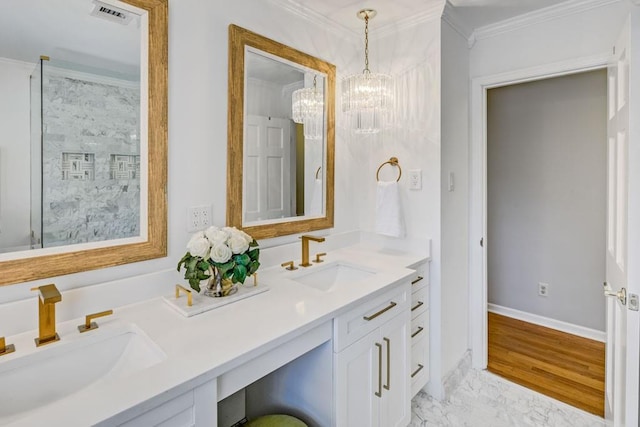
point(148, 239)
point(280, 169)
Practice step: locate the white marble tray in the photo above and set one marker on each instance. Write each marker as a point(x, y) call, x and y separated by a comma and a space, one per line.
point(203, 303)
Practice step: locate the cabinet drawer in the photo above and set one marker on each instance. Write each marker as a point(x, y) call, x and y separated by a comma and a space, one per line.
point(178, 412)
point(420, 326)
point(356, 323)
point(419, 302)
point(421, 277)
point(419, 363)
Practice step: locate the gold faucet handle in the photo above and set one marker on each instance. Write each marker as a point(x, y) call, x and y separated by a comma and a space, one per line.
point(290, 265)
point(88, 324)
point(187, 292)
point(49, 294)
point(319, 257)
point(6, 348)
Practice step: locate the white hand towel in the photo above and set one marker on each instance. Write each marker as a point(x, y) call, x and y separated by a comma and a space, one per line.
point(389, 219)
point(315, 207)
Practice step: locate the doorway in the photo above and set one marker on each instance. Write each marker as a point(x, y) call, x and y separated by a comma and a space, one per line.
point(546, 233)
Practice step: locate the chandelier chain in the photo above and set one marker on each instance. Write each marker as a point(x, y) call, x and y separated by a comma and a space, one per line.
point(366, 43)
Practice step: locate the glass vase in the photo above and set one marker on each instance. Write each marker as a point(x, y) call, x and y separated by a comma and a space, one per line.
point(217, 286)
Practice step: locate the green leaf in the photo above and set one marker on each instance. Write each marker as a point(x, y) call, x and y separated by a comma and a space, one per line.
point(242, 259)
point(239, 274)
point(184, 259)
point(227, 274)
point(203, 265)
point(226, 266)
point(254, 254)
point(195, 284)
point(253, 244)
point(253, 267)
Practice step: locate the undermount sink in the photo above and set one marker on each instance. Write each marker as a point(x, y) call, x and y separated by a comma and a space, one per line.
point(332, 275)
point(58, 370)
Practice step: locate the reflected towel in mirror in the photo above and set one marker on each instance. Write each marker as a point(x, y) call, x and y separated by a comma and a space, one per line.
point(389, 218)
point(315, 208)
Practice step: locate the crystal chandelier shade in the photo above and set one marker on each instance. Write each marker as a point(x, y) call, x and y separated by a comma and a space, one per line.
point(368, 99)
point(308, 109)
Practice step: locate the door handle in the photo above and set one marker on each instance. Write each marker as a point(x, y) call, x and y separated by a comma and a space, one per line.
point(379, 392)
point(621, 294)
point(387, 386)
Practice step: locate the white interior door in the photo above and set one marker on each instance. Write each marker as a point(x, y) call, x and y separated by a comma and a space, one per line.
point(267, 186)
point(623, 226)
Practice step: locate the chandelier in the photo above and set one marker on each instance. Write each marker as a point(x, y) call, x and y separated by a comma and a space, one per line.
point(368, 98)
point(307, 105)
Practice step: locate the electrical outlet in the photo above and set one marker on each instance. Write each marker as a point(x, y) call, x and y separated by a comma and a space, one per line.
point(415, 179)
point(543, 289)
point(199, 218)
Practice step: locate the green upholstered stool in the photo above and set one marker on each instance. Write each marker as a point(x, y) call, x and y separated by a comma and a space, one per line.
point(276, 421)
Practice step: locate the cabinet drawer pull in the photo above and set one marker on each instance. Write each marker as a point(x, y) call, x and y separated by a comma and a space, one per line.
point(417, 306)
point(379, 392)
point(419, 278)
point(387, 308)
point(387, 386)
point(420, 329)
point(417, 370)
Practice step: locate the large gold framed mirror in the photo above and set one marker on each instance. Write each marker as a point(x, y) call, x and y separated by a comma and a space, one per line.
point(94, 195)
point(281, 136)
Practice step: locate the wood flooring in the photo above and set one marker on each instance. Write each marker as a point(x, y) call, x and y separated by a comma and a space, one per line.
point(560, 365)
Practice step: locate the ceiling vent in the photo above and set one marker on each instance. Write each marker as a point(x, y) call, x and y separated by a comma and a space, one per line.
point(111, 13)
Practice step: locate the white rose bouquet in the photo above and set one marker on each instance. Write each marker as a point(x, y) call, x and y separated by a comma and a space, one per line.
point(231, 251)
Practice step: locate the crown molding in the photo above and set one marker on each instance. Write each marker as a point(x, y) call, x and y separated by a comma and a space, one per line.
point(567, 8)
point(310, 15)
point(430, 13)
point(451, 17)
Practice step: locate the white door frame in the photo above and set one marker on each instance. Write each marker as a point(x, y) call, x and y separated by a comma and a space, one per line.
point(478, 286)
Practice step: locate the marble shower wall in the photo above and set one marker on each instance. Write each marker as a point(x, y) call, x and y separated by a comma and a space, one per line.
point(91, 160)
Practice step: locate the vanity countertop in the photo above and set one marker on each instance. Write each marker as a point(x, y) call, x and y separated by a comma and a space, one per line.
point(207, 345)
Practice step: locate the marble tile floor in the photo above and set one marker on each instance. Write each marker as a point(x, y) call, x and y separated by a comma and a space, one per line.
point(486, 400)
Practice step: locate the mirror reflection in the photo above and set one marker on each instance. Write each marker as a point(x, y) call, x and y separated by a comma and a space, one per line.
point(284, 144)
point(70, 141)
point(281, 137)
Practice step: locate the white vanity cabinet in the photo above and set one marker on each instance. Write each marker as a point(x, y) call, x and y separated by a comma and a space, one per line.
point(419, 371)
point(371, 362)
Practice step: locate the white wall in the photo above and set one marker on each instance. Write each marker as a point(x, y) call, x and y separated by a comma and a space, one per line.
point(547, 197)
point(14, 153)
point(573, 36)
point(455, 202)
point(198, 125)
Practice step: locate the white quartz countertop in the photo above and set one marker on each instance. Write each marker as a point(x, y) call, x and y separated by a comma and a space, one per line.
point(207, 345)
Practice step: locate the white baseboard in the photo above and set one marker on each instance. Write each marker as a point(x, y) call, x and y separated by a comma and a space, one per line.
point(547, 322)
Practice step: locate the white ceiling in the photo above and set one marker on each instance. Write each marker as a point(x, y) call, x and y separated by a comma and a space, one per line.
point(474, 13)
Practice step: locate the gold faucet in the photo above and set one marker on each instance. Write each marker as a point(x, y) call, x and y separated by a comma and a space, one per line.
point(305, 248)
point(48, 296)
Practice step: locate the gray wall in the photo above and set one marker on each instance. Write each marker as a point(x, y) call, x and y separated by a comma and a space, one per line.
point(547, 197)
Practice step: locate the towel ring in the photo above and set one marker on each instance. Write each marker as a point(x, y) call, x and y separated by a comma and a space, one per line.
point(393, 162)
point(318, 171)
